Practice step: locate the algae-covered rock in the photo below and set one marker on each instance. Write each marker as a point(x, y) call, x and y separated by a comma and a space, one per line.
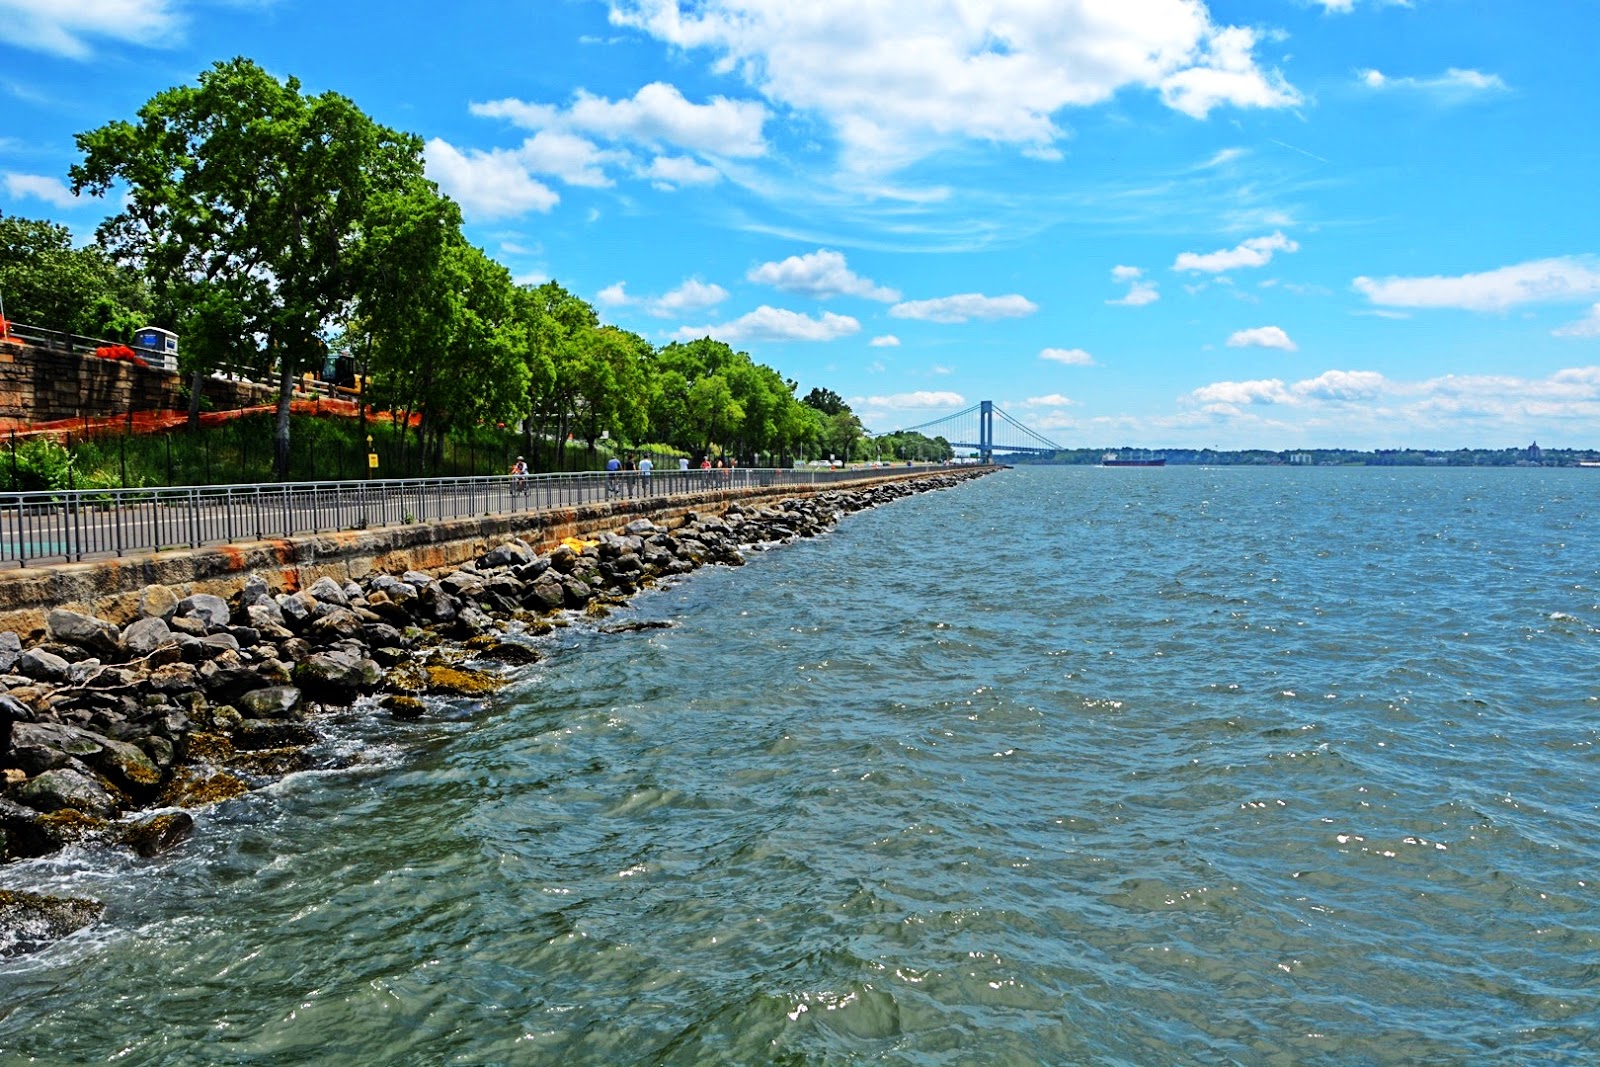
point(273, 702)
point(404, 707)
point(31, 921)
point(271, 733)
point(271, 762)
point(192, 789)
point(67, 788)
point(461, 682)
point(157, 833)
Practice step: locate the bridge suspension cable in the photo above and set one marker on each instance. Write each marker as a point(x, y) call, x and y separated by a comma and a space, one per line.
point(974, 427)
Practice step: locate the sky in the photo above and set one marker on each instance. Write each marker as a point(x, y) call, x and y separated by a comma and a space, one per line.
point(1130, 223)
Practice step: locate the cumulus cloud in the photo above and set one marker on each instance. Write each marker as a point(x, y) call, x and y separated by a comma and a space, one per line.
point(675, 171)
point(657, 114)
point(1138, 295)
point(915, 401)
point(52, 191)
point(820, 274)
point(964, 307)
point(1253, 252)
point(894, 78)
point(888, 340)
point(65, 29)
point(692, 295)
point(1262, 337)
point(1125, 274)
point(1555, 280)
point(1052, 400)
point(775, 324)
point(1072, 357)
point(492, 184)
point(1453, 86)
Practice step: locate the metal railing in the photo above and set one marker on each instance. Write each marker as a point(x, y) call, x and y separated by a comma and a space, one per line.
point(69, 526)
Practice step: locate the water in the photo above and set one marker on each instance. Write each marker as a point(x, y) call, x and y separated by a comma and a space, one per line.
point(1064, 766)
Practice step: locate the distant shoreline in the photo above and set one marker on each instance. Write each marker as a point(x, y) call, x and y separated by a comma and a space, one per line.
point(1531, 456)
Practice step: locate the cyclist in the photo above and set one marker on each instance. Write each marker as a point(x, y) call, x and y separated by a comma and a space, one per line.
point(519, 476)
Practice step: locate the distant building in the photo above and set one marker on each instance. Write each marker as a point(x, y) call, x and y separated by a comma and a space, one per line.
point(1535, 454)
point(1301, 459)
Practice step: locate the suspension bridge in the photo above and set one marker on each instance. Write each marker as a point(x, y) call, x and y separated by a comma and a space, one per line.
point(976, 427)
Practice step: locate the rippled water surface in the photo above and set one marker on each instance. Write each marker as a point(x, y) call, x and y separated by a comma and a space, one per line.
point(1064, 766)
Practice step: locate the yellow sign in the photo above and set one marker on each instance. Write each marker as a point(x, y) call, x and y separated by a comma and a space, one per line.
point(372, 460)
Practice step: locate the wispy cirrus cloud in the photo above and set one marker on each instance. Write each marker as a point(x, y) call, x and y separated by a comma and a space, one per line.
point(68, 29)
point(1588, 326)
point(964, 307)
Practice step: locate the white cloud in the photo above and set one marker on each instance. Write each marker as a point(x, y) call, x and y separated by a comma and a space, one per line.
point(1453, 86)
point(820, 274)
point(1569, 278)
point(1125, 274)
point(965, 306)
point(775, 324)
point(1072, 357)
point(915, 401)
point(658, 114)
point(692, 295)
point(52, 191)
point(1138, 295)
point(675, 171)
point(1253, 252)
point(1053, 400)
point(1262, 337)
point(888, 340)
point(575, 160)
point(895, 78)
point(940, 370)
point(492, 184)
point(1588, 326)
point(65, 29)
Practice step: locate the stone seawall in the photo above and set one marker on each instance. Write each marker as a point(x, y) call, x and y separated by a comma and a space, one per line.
point(112, 589)
point(40, 385)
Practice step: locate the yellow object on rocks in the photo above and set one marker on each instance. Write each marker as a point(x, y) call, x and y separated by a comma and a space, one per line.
point(578, 544)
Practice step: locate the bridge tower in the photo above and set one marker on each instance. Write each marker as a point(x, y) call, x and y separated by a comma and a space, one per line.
point(986, 431)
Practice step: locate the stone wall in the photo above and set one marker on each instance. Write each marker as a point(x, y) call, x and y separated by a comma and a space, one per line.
point(43, 385)
point(111, 589)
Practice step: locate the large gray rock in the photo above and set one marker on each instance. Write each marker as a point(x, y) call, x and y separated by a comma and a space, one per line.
point(297, 607)
point(547, 594)
point(66, 788)
point(143, 636)
point(328, 591)
point(43, 666)
point(157, 601)
point(337, 625)
point(336, 675)
point(254, 591)
point(510, 554)
point(264, 614)
point(640, 528)
point(84, 631)
point(212, 610)
point(272, 702)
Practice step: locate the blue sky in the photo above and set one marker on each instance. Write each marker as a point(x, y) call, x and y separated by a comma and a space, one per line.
point(1163, 223)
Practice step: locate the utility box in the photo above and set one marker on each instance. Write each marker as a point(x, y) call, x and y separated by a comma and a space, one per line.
point(158, 347)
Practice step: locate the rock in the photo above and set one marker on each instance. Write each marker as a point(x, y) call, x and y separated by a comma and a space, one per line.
point(297, 608)
point(10, 650)
point(43, 666)
point(190, 789)
point(641, 528)
point(437, 604)
point(547, 594)
point(417, 580)
point(155, 834)
point(84, 631)
point(191, 626)
point(272, 702)
point(254, 591)
point(256, 734)
point(339, 624)
point(67, 788)
point(510, 554)
point(212, 610)
point(563, 559)
point(159, 602)
point(128, 766)
point(578, 592)
point(31, 921)
point(335, 676)
point(404, 707)
point(144, 635)
point(328, 591)
point(173, 678)
point(215, 643)
point(459, 682)
point(264, 614)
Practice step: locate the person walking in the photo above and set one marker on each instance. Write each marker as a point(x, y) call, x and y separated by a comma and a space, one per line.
point(645, 467)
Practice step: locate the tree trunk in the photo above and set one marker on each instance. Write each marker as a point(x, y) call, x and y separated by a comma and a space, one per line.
point(280, 439)
point(194, 399)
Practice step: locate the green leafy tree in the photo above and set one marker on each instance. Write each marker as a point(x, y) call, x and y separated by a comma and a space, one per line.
point(242, 181)
point(46, 282)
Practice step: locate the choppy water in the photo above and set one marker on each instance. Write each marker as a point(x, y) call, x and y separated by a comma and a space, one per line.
point(1064, 766)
